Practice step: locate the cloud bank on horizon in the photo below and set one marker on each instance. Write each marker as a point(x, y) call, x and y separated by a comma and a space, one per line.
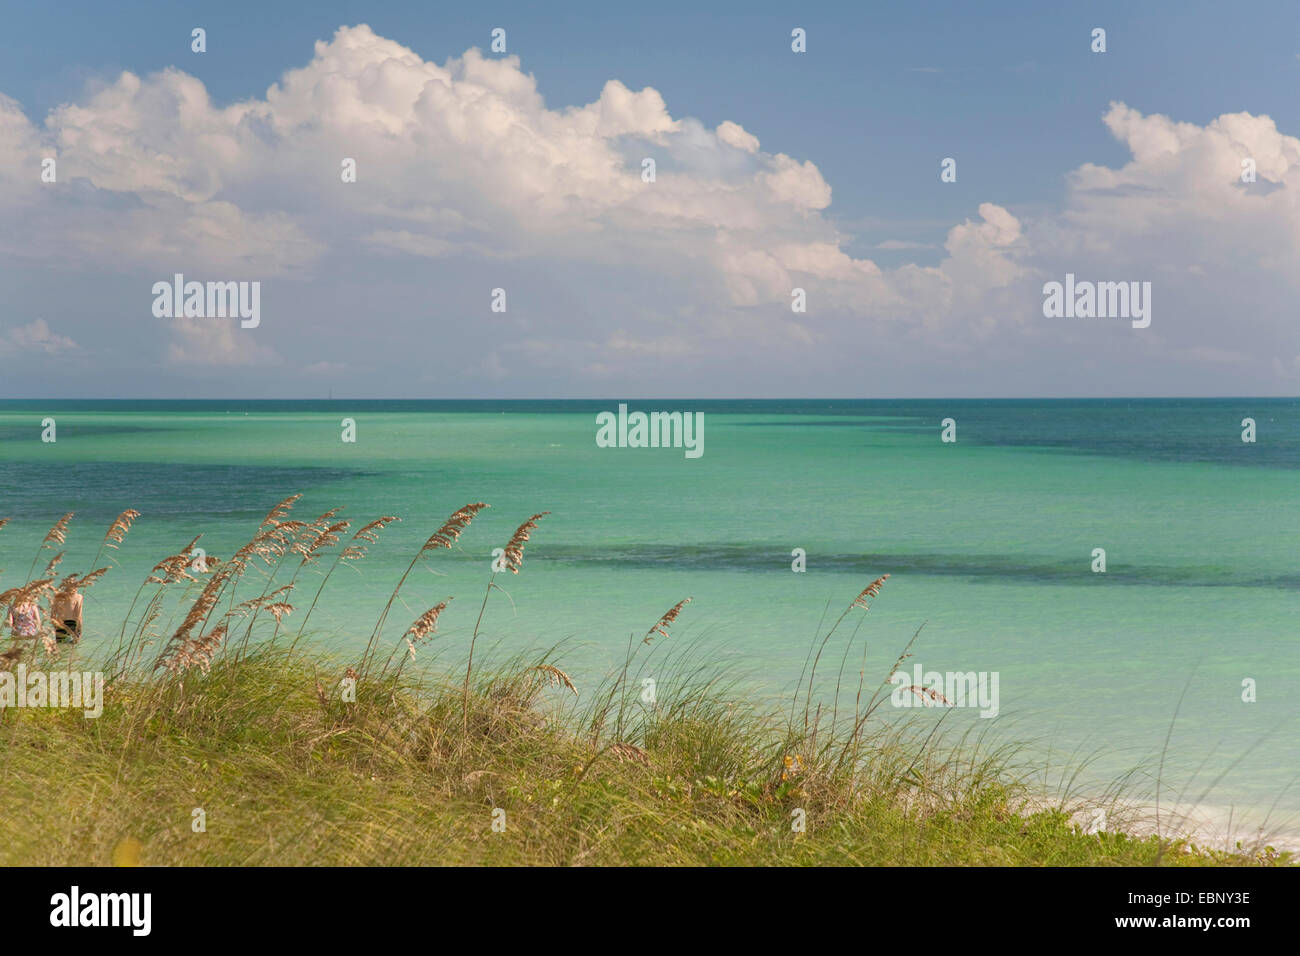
point(467, 182)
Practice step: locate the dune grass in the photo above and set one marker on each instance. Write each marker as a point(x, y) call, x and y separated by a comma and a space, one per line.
point(225, 743)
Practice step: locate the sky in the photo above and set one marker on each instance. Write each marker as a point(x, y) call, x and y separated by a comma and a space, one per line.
point(523, 170)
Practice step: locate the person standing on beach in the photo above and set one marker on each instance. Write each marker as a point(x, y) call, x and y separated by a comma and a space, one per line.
point(65, 611)
point(24, 619)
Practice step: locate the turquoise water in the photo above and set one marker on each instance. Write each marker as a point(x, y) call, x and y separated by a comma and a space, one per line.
point(989, 543)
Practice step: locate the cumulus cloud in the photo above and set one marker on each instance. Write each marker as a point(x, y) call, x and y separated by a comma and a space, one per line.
point(1184, 186)
point(213, 342)
point(462, 167)
point(34, 338)
point(455, 156)
point(733, 134)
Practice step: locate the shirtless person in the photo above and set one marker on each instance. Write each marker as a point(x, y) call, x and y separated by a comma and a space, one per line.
point(65, 610)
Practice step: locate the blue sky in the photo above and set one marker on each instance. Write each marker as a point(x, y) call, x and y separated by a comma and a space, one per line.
point(883, 93)
point(1019, 95)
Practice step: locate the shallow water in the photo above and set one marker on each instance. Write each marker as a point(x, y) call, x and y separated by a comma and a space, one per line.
point(988, 542)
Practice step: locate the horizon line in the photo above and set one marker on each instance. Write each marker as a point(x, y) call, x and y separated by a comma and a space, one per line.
point(661, 398)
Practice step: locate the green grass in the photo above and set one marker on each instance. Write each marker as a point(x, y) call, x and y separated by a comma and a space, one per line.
point(287, 777)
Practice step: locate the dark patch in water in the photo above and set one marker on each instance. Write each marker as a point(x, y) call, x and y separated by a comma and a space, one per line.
point(994, 568)
point(99, 491)
point(1205, 431)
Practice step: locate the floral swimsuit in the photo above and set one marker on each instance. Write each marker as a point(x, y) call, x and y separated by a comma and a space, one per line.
point(26, 618)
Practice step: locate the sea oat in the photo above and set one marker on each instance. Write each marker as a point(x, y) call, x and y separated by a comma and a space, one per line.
point(929, 694)
point(89, 580)
point(175, 567)
point(370, 532)
point(117, 531)
point(269, 544)
point(555, 677)
point(662, 625)
point(451, 530)
point(196, 652)
point(201, 609)
point(279, 610)
point(325, 537)
point(74, 583)
point(172, 569)
point(29, 593)
point(423, 626)
point(514, 550)
point(273, 542)
point(630, 753)
point(261, 602)
point(59, 533)
point(152, 613)
point(54, 563)
point(321, 523)
point(275, 516)
point(870, 591)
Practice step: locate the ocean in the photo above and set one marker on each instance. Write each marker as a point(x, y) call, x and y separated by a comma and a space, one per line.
point(989, 542)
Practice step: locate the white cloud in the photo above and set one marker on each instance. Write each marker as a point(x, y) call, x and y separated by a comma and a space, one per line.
point(462, 164)
point(34, 338)
point(1183, 186)
point(733, 134)
point(216, 342)
point(462, 156)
